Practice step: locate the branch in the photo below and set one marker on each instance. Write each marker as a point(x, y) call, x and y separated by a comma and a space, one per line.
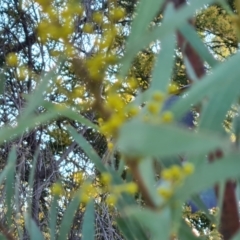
point(6, 233)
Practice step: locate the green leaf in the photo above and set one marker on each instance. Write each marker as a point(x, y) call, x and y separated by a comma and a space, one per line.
point(148, 176)
point(69, 113)
point(157, 224)
point(10, 183)
point(68, 217)
point(165, 60)
point(2, 81)
point(31, 182)
point(8, 133)
point(212, 116)
point(185, 232)
point(138, 138)
point(88, 228)
point(236, 236)
point(36, 98)
point(5, 172)
point(53, 217)
point(33, 229)
point(145, 13)
point(210, 85)
point(88, 149)
point(131, 230)
point(192, 37)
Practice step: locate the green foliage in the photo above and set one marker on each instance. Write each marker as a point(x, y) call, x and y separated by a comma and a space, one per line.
point(131, 135)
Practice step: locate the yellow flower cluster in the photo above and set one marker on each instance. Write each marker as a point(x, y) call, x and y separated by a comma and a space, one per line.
point(166, 193)
point(62, 24)
point(115, 191)
point(57, 189)
point(88, 192)
point(106, 178)
point(12, 60)
point(117, 106)
point(154, 108)
point(167, 117)
point(174, 175)
point(111, 126)
point(173, 88)
point(78, 178)
point(155, 104)
point(177, 173)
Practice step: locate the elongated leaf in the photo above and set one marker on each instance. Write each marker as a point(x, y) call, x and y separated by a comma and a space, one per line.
point(215, 112)
point(185, 232)
point(88, 149)
point(131, 230)
point(190, 34)
point(53, 218)
point(164, 63)
point(5, 172)
point(69, 113)
point(209, 85)
point(2, 81)
point(236, 236)
point(88, 228)
point(9, 132)
point(143, 139)
point(150, 220)
point(145, 13)
point(68, 218)
point(10, 183)
point(33, 229)
point(36, 98)
point(31, 182)
point(148, 177)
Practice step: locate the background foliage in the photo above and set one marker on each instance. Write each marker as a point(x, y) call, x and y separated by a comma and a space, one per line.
point(86, 151)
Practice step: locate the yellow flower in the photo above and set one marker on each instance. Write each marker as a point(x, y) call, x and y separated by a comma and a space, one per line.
point(132, 82)
point(188, 168)
point(115, 102)
point(167, 117)
point(100, 121)
point(131, 188)
point(78, 177)
point(153, 107)
point(166, 174)
point(173, 88)
point(22, 73)
point(110, 145)
point(165, 193)
point(173, 174)
point(57, 189)
point(111, 200)
point(98, 17)
point(117, 14)
point(176, 172)
point(158, 96)
point(44, 4)
point(110, 128)
point(88, 28)
point(106, 178)
point(133, 111)
point(12, 60)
